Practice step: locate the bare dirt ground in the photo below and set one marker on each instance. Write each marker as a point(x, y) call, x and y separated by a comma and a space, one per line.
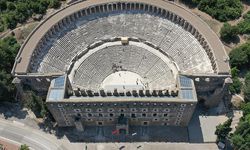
point(22, 31)
point(216, 25)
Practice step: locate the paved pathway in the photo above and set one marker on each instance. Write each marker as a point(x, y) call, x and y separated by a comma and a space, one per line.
point(151, 146)
point(36, 139)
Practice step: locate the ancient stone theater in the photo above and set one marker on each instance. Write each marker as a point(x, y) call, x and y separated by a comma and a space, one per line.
point(123, 63)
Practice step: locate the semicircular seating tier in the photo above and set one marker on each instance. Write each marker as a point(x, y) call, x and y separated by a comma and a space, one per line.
point(95, 68)
point(171, 38)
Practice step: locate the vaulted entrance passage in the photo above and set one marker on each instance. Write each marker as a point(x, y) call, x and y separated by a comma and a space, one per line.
point(122, 125)
point(123, 80)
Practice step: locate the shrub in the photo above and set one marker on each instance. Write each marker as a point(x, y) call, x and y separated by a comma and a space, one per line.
point(240, 56)
point(235, 72)
point(228, 32)
point(235, 88)
point(222, 130)
point(244, 25)
point(35, 103)
point(24, 147)
point(246, 89)
point(8, 51)
point(222, 10)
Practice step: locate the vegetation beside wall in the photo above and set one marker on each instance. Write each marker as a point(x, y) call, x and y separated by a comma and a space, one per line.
point(240, 63)
point(13, 12)
point(8, 50)
point(35, 103)
point(240, 139)
point(240, 56)
point(222, 130)
point(228, 32)
point(222, 10)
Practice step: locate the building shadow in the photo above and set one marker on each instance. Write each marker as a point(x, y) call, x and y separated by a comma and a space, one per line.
point(189, 3)
point(234, 40)
point(15, 110)
point(136, 134)
point(194, 127)
point(95, 134)
point(203, 117)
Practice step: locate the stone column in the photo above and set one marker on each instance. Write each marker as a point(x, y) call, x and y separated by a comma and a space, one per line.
point(185, 25)
point(196, 34)
point(163, 13)
point(189, 27)
point(173, 18)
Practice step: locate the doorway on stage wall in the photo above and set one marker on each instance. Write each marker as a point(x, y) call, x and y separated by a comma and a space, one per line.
point(122, 131)
point(122, 125)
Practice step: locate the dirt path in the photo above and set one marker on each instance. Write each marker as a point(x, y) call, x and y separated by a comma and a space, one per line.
point(216, 25)
point(27, 27)
point(246, 8)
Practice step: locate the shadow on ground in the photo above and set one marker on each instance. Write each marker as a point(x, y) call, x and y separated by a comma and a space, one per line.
point(140, 134)
point(8, 110)
point(204, 121)
point(192, 134)
point(189, 3)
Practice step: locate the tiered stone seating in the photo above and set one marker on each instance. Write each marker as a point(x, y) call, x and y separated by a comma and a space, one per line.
point(102, 63)
point(179, 44)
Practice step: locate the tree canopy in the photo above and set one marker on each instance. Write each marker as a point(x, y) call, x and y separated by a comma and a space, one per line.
point(8, 50)
point(13, 12)
point(244, 25)
point(24, 147)
point(247, 87)
point(222, 130)
point(241, 137)
point(222, 10)
point(240, 56)
point(228, 32)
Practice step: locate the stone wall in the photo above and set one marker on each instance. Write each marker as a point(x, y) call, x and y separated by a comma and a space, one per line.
point(176, 113)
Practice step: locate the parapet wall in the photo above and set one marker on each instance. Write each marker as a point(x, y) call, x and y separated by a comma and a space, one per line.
point(175, 13)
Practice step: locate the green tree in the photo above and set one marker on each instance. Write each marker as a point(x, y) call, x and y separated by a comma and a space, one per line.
point(246, 109)
point(244, 25)
point(228, 32)
point(235, 72)
point(8, 51)
point(237, 140)
point(35, 103)
point(247, 87)
point(222, 10)
point(235, 88)
point(222, 130)
point(7, 89)
point(19, 11)
point(24, 147)
point(54, 3)
point(38, 8)
point(241, 137)
point(239, 57)
point(11, 6)
point(196, 1)
point(3, 5)
point(10, 20)
point(1, 24)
